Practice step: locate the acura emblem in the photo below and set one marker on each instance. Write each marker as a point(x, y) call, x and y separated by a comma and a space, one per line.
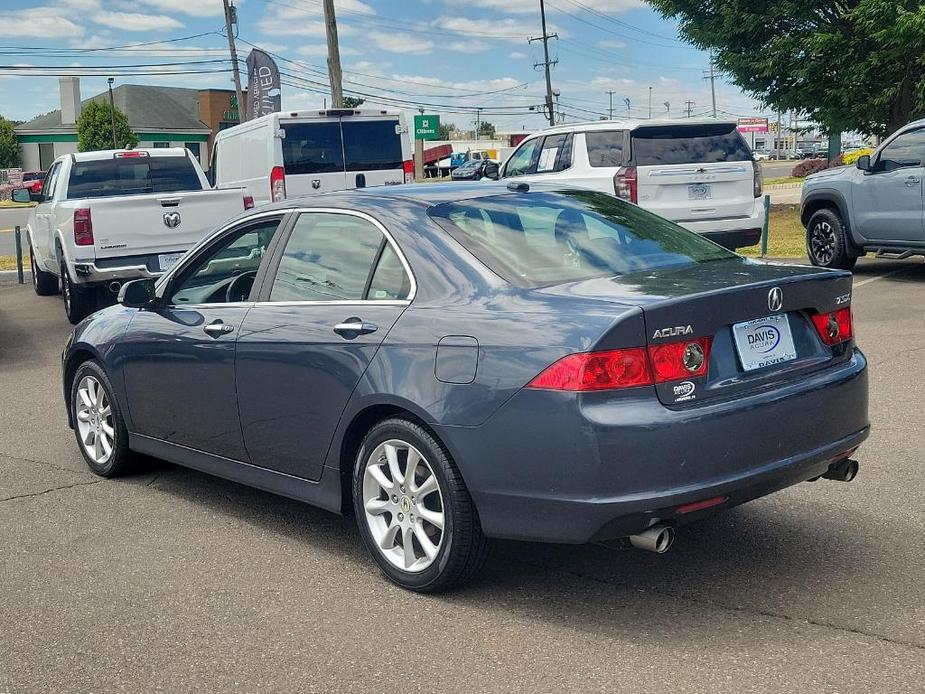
point(171, 220)
point(775, 299)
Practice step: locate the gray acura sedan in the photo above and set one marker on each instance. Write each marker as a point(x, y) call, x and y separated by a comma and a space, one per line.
point(451, 363)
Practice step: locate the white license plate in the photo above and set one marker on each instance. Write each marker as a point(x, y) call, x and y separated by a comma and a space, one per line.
point(764, 342)
point(699, 191)
point(168, 260)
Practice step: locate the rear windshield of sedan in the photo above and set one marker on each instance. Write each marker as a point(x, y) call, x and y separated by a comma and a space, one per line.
point(537, 239)
point(688, 144)
point(102, 178)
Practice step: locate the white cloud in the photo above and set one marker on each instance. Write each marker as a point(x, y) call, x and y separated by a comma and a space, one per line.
point(397, 42)
point(40, 23)
point(516, 55)
point(136, 21)
point(510, 29)
point(469, 46)
point(317, 50)
point(611, 44)
point(194, 8)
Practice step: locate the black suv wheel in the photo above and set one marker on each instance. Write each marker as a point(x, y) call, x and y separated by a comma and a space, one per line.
point(827, 241)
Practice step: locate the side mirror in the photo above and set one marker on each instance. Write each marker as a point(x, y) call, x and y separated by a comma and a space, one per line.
point(138, 293)
point(863, 162)
point(20, 195)
point(492, 170)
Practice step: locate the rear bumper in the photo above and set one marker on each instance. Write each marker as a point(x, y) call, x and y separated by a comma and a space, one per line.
point(732, 232)
point(558, 467)
point(122, 269)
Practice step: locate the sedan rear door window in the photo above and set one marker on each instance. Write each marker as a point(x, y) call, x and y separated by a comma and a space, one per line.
point(331, 257)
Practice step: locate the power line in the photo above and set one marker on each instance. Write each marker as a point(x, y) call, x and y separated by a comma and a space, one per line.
point(547, 64)
point(622, 23)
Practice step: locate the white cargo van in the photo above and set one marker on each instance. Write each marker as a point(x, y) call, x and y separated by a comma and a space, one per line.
point(297, 153)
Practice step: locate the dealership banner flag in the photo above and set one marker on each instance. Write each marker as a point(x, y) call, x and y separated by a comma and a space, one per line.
point(263, 89)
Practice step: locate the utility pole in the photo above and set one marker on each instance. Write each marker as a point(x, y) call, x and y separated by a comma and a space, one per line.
point(627, 102)
point(712, 83)
point(668, 108)
point(547, 64)
point(334, 72)
point(650, 103)
point(231, 17)
point(779, 133)
point(112, 114)
point(611, 104)
point(478, 121)
point(689, 104)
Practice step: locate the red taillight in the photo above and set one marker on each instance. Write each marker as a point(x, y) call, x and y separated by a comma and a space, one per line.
point(618, 368)
point(759, 178)
point(277, 184)
point(408, 167)
point(624, 184)
point(679, 360)
point(835, 327)
point(248, 202)
point(83, 227)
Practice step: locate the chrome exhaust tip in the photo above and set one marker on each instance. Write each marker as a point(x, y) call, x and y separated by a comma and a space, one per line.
point(656, 539)
point(114, 287)
point(842, 471)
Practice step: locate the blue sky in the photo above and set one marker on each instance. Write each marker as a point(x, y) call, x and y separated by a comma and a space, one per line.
point(447, 55)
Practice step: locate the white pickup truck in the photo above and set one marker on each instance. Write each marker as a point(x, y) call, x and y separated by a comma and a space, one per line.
point(107, 217)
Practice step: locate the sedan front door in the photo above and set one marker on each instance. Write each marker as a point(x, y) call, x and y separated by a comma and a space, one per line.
point(888, 201)
point(338, 287)
point(178, 359)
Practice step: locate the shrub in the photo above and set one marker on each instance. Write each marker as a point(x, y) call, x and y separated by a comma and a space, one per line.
point(851, 157)
point(809, 166)
point(838, 161)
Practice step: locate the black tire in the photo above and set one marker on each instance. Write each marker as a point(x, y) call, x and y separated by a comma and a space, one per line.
point(79, 302)
point(827, 243)
point(462, 546)
point(44, 283)
point(120, 460)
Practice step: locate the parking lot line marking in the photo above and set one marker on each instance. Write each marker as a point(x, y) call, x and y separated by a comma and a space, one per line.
point(878, 277)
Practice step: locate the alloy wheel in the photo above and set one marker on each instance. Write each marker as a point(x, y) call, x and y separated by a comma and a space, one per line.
point(66, 290)
point(403, 506)
point(94, 420)
point(822, 242)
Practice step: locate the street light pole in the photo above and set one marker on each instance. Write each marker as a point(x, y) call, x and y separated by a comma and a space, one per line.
point(112, 114)
point(650, 103)
point(611, 104)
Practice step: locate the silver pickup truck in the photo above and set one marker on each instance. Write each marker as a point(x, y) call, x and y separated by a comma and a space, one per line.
point(876, 206)
point(107, 217)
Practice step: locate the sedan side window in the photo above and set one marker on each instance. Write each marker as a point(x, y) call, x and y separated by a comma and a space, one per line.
point(523, 161)
point(905, 151)
point(225, 273)
point(331, 257)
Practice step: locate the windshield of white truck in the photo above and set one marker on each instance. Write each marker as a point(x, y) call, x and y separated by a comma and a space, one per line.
point(104, 178)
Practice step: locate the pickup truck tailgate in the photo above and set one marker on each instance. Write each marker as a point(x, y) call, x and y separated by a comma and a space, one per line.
point(158, 223)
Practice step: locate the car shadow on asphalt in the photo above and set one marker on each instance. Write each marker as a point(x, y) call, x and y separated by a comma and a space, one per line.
point(763, 559)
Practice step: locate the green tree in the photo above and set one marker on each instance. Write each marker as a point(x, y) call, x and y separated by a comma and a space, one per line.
point(9, 147)
point(487, 129)
point(94, 128)
point(446, 129)
point(846, 64)
point(353, 102)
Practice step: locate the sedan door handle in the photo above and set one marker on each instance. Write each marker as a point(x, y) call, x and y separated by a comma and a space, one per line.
point(352, 327)
point(912, 180)
point(217, 328)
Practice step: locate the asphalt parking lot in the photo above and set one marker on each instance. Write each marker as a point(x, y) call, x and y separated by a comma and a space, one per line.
point(175, 581)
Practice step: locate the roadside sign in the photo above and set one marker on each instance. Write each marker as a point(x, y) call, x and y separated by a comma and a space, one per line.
point(427, 127)
point(752, 125)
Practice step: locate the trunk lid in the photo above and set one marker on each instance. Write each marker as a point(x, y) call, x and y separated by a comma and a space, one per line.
point(158, 222)
point(707, 300)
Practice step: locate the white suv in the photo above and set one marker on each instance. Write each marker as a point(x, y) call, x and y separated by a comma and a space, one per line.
point(698, 173)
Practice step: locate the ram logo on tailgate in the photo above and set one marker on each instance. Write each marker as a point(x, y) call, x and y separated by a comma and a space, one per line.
point(171, 220)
